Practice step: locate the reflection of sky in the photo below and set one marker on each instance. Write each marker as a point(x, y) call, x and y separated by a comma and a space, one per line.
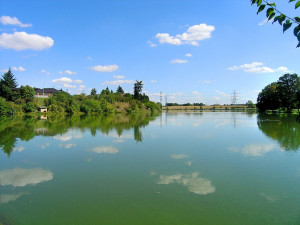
point(105, 149)
point(254, 149)
point(6, 198)
point(70, 145)
point(179, 156)
point(193, 182)
point(19, 177)
point(19, 148)
point(76, 134)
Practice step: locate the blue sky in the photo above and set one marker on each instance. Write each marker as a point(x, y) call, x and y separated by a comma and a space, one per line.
point(192, 51)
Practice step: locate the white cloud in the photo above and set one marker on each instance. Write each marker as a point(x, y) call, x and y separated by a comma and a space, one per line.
point(4, 70)
point(20, 68)
point(151, 44)
point(105, 149)
point(188, 55)
point(223, 94)
point(69, 72)
point(107, 68)
point(81, 86)
point(78, 81)
point(7, 20)
point(19, 177)
point(90, 58)
point(62, 80)
point(257, 67)
point(192, 36)
point(166, 38)
point(193, 182)
point(118, 82)
point(179, 156)
point(265, 21)
point(22, 41)
point(6, 198)
point(195, 93)
point(69, 86)
point(153, 81)
point(119, 77)
point(44, 71)
point(179, 61)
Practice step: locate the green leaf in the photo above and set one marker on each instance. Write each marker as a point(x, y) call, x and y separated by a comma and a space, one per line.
point(253, 1)
point(297, 5)
point(297, 30)
point(276, 19)
point(297, 19)
point(282, 18)
point(261, 8)
point(271, 4)
point(286, 25)
point(270, 11)
point(298, 37)
point(271, 16)
point(259, 2)
point(298, 45)
point(292, 1)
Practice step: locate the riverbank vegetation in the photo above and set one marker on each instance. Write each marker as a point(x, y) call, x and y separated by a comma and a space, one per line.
point(15, 100)
point(283, 95)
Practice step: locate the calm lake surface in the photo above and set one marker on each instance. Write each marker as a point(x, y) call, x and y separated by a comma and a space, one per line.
point(175, 168)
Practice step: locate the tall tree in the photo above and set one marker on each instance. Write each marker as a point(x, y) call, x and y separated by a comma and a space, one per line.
point(137, 90)
point(7, 82)
point(268, 98)
point(288, 85)
point(120, 90)
point(9, 79)
point(94, 92)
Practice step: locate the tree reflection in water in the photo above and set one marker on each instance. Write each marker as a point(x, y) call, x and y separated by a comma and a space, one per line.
point(27, 127)
point(283, 128)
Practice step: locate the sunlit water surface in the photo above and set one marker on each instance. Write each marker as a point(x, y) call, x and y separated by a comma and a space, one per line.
point(175, 168)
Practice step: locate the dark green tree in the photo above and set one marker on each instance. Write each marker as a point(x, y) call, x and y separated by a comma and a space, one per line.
point(273, 13)
point(9, 79)
point(137, 90)
point(27, 93)
point(120, 90)
point(288, 86)
point(7, 82)
point(268, 98)
point(94, 92)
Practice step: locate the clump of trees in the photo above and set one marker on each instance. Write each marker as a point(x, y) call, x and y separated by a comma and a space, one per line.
point(283, 94)
point(22, 100)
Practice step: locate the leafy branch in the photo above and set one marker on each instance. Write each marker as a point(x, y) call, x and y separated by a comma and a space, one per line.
point(273, 13)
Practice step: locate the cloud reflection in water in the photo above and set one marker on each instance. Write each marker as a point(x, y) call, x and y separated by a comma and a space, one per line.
point(193, 182)
point(19, 177)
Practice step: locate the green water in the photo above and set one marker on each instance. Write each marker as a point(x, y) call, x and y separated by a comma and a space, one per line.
point(175, 168)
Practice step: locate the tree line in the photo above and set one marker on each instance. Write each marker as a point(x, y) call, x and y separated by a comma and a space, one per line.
point(15, 100)
point(283, 94)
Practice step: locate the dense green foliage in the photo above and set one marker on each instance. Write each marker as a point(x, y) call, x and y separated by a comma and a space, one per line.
point(273, 13)
point(21, 100)
point(281, 94)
